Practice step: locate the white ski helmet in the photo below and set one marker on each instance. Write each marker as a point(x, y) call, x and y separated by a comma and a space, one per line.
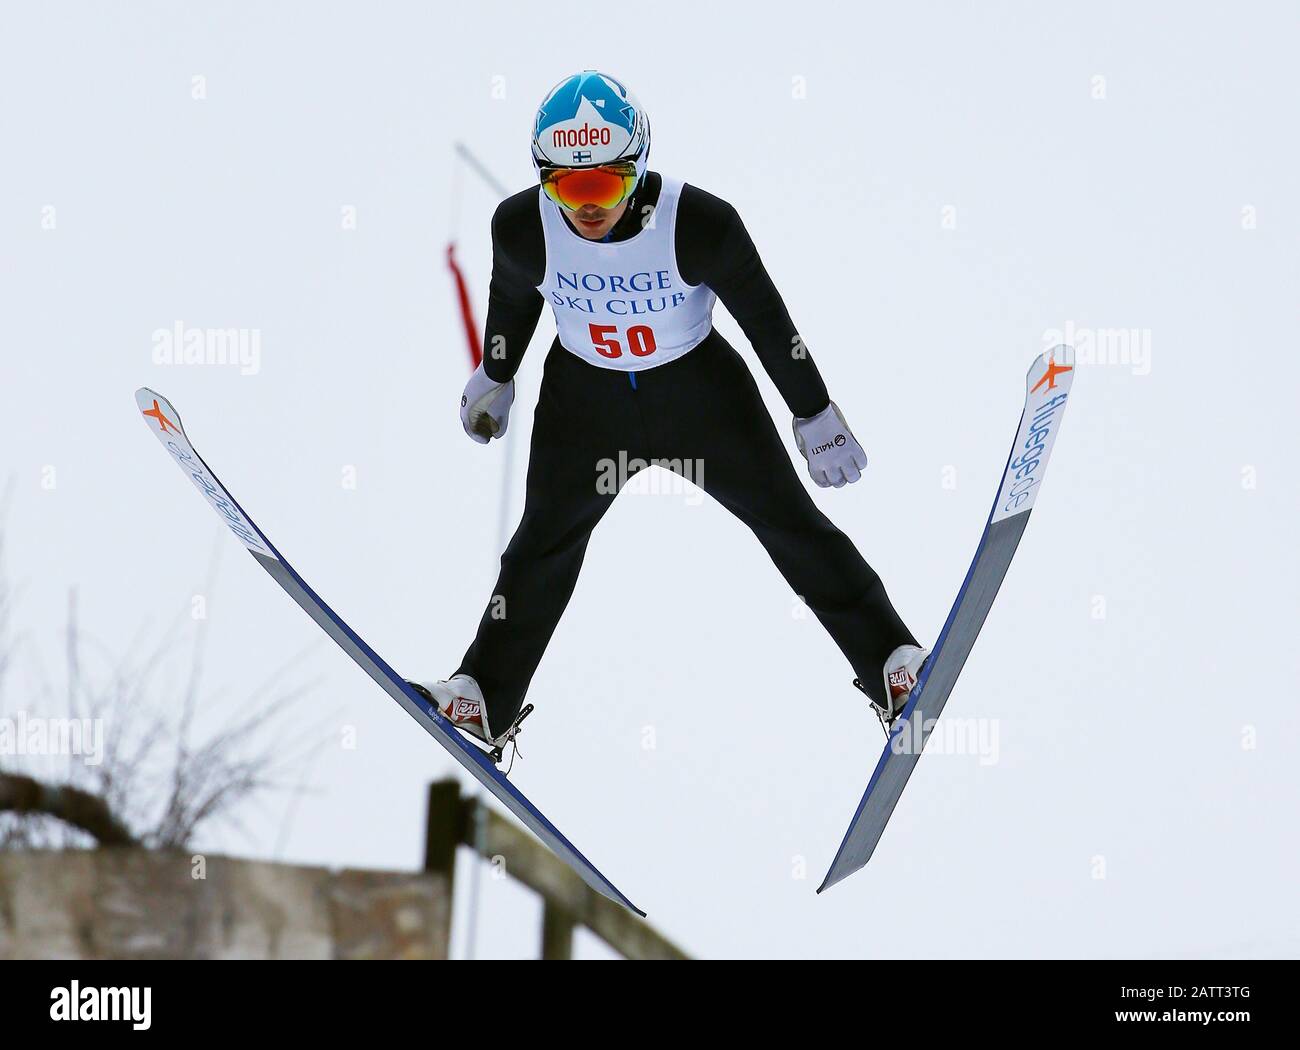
point(589, 119)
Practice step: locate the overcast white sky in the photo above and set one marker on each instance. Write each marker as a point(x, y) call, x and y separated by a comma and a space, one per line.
point(935, 187)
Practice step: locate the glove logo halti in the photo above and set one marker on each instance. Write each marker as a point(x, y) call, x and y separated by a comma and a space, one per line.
point(840, 439)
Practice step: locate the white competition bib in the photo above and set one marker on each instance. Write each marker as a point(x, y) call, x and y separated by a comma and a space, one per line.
point(623, 305)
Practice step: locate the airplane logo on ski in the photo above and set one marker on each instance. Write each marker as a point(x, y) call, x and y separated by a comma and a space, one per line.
point(1049, 377)
point(164, 424)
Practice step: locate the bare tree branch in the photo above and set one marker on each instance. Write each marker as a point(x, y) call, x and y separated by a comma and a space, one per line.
point(164, 769)
point(80, 809)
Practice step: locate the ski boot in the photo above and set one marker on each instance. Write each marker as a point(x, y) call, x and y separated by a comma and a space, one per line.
point(901, 672)
point(460, 701)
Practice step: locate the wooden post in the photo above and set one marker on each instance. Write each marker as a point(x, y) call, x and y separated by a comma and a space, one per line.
point(567, 901)
point(557, 932)
point(444, 830)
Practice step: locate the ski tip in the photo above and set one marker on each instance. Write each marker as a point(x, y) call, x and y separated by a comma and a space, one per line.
point(158, 412)
point(1061, 353)
point(1060, 356)
point(1052, 370)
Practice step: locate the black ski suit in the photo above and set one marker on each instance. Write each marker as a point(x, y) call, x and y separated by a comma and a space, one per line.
point(702, 407)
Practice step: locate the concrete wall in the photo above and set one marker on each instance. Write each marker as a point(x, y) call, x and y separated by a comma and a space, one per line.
point(136, 904)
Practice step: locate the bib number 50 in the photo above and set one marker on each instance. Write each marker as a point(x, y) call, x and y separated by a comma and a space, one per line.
point(640, 340)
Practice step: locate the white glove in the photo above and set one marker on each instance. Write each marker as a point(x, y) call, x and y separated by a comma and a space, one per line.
point(833, 453)
point(485, 406)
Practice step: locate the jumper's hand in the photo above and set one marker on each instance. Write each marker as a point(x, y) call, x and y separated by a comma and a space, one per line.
point(834, 456)
point(485, 406)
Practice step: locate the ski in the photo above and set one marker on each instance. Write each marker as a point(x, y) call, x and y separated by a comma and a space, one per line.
point(1047, 387)
point(165, 423)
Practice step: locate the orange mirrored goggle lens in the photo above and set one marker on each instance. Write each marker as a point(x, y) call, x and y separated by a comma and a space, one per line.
point(605, 187)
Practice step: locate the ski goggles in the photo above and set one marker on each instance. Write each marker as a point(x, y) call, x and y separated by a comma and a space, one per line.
point(606, 186)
